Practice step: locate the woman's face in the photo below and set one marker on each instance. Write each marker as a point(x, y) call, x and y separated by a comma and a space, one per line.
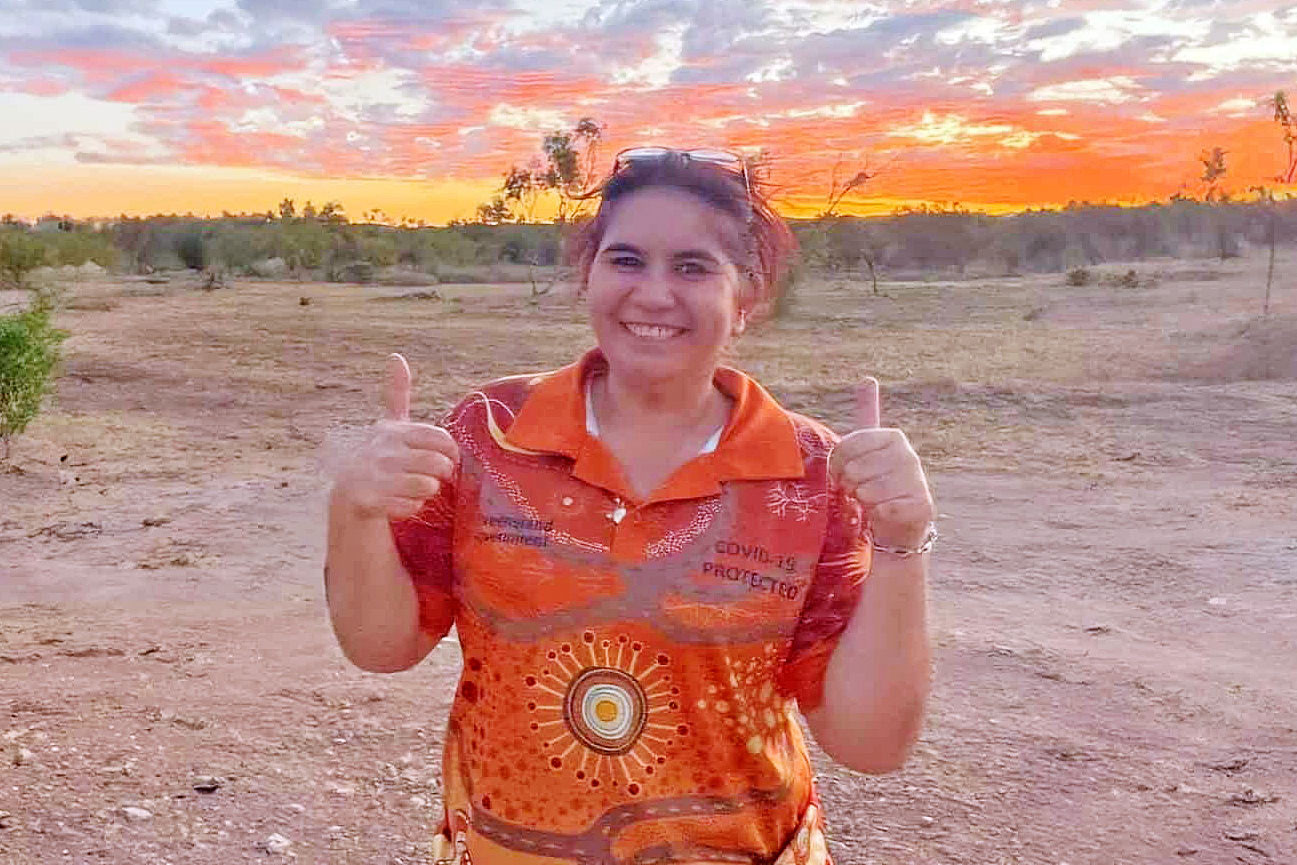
point(664, 292)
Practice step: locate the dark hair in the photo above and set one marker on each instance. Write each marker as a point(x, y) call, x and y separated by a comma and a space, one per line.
point(766, 241)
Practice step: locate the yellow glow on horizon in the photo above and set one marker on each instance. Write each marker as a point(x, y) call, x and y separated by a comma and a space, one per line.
point(32, 189)
point(83, 191)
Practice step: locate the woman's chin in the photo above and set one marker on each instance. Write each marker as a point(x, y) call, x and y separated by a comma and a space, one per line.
point(647, 369)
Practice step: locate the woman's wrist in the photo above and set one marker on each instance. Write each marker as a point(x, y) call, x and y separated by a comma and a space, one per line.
point(905, 544)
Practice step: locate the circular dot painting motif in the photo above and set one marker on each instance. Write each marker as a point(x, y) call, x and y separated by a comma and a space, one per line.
point(600, 705)
point(606, 710)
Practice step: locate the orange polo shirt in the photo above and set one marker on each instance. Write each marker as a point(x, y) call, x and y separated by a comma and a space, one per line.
point(632, 667)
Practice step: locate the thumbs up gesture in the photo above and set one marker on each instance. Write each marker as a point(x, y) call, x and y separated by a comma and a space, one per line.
point(881, 470)
point(403, 463)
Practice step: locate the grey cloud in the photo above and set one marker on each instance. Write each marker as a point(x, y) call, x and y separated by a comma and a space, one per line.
point(97, 36)
point(73, 7)
point(218, 21)
point(310, 11)
point(39, 142)
point(186, 27)
point(120, 158)
point(1056, 27)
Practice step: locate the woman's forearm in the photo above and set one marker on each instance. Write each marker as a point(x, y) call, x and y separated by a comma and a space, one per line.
point(372, 601)
point(877, 681)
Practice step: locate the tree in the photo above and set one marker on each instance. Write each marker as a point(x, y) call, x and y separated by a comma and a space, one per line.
point(1213, 169)
point(133, 236)
point(520, 187)
point(29, 352)
point(566, 166)
point(494, 212)
point(861, 249)
point(20, 253)
point(287, 210)
point(332, 211)
point(1284, 117)
point(570, 164)
point(1288, 125)
point(837, 193)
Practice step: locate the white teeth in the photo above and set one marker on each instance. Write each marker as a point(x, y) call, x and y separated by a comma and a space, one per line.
point(654, 331)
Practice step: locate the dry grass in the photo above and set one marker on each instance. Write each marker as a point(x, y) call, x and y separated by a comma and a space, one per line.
point(1116, 557)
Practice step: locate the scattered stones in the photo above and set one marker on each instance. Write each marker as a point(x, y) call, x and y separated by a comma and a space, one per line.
point(136, 815)
point(296, 807)
point(6, 820)
point(29, 658)
point(342, 790)
point(1230, 766)
point(93, 652)
point(23, 756)
point(1250, 797)
point(276, 845)
point(1240, 835)
point(207, 783)
point(153, 522)
point(68, 531)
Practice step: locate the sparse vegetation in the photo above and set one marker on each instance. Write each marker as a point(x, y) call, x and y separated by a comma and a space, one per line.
point(29, 352)
point(917, 243)
point(1079, 276)
point(20, 254)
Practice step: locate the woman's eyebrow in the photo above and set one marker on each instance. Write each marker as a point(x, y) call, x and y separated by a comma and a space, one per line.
point(622, 247)
point(698, 254)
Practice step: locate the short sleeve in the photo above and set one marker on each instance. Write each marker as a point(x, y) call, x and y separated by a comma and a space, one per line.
point(426, 544)
point(842, 567)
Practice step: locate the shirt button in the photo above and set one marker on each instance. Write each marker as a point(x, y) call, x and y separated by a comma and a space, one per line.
point(567, 501)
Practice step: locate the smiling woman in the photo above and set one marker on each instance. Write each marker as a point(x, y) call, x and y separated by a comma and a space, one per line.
point(651, 565)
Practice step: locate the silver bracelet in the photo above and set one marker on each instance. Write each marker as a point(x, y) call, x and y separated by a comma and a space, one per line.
point(928, 542)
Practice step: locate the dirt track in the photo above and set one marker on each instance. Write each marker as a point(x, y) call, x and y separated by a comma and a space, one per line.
point(1114, 603)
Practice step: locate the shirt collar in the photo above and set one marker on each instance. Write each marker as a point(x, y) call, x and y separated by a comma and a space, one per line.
point(758, 443)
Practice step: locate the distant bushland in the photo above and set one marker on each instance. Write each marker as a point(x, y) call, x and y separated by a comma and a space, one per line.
point(917, 243)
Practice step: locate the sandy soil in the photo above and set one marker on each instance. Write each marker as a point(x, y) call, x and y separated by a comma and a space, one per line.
point(1114, 601)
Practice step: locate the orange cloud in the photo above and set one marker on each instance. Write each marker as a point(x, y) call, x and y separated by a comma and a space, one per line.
point(147, 89)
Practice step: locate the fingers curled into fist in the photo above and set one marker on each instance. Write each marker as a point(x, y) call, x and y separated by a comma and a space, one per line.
point(402, 464)
point(880, 469)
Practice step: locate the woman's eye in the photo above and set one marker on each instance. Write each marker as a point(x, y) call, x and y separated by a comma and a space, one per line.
point(692, 268)
point(625, 261)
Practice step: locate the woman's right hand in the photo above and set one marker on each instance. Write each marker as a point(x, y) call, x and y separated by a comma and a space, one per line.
point(402, 464)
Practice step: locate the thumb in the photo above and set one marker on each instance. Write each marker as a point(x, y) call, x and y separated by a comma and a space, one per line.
point(396, 389)
point(867, 412)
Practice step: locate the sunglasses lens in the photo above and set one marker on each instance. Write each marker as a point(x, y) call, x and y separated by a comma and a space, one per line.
point(636, 154)
point(720, 156)
point(713, 157)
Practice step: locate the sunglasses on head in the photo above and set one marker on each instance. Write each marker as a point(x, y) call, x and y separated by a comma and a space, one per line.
point(723, 158)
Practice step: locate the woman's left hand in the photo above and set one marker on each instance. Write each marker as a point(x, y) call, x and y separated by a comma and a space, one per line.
point(880, 468)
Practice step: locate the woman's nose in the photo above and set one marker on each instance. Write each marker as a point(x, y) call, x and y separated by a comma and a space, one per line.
point(653, 288)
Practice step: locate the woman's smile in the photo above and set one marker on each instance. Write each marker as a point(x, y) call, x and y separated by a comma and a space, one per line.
point(655, 332)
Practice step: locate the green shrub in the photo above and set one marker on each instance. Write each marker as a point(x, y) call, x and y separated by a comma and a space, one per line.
point(1079, 276)
point(21, 252)
point(191, 247)
point(78, 247)
point(29, 351)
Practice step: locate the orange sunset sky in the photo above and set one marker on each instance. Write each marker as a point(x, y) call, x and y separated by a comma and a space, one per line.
point(418, 107)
